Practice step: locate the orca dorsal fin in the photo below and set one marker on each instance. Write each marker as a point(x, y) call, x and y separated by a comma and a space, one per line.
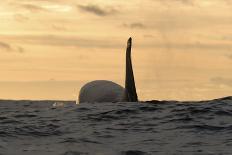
point(130, 82)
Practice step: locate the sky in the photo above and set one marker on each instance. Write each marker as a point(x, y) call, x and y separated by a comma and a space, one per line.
point(182, 49)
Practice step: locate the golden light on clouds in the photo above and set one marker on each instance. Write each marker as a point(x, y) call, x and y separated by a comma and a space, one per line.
point(182, 49)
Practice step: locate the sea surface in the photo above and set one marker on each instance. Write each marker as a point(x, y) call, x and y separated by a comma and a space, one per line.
point(145, 128)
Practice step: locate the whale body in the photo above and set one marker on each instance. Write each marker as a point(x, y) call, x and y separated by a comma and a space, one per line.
point(108, 91)
point(102, 91)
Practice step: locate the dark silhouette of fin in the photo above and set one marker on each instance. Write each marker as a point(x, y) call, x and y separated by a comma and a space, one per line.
point(130, 82)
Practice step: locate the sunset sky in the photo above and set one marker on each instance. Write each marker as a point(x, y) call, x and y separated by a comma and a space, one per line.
point(182, 49)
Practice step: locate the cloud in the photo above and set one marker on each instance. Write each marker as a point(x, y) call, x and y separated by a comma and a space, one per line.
point(20, 49)
point(59, 27)
point(38, 1)
point(136, 25)
point(20, 18)
point(74, 41)
point(229, 56)
point(95, 9)
point(148, 36)
point(184, 2)
point(33, 8)
point(196, 45)
point(8, 48)
point(5, 46)
point(45, 6)
point(222, 81)
point(61, 40)
point(228, 2)
point(226, 38)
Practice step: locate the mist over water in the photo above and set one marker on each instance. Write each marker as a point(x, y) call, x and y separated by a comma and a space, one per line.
point(155, 127)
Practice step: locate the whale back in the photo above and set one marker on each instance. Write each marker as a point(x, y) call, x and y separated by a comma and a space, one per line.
point(108, 91)
point(102, 91)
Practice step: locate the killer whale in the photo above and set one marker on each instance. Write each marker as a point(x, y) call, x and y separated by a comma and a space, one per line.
point(108, 91)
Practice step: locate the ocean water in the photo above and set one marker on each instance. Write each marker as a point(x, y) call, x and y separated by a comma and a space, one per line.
point(152, 127)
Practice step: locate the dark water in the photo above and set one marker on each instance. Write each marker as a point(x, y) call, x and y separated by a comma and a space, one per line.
point(40, 128)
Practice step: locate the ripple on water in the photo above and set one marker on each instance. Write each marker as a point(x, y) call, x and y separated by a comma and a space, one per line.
point(74, 153)
point(116, 128)
point(133, 152)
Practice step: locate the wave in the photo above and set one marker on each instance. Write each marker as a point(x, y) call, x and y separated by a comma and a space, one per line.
point(151, 127)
